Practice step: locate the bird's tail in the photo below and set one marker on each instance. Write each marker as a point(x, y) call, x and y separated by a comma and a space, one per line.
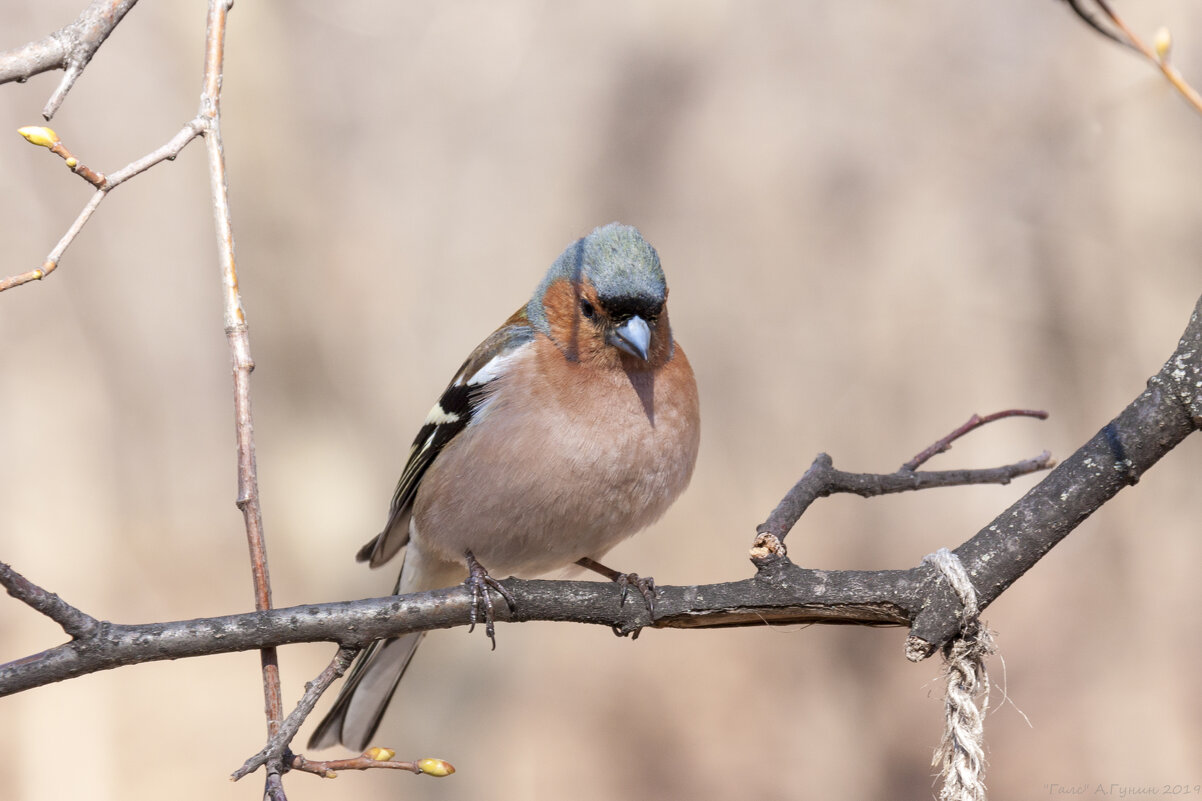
point(360, 706)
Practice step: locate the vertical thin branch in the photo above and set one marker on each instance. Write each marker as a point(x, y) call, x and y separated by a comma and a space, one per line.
point(239, 343)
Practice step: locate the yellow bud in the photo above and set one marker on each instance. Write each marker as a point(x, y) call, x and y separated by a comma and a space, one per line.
point(37, 135)
point(72, 162)
point(380, 754)
point(436, 767)
point(1163, 43)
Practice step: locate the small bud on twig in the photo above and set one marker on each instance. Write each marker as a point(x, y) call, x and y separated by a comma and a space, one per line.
point(45, 137)
point(1163, 43)
point(380, 754)
point(435, 767)
point(39, 135)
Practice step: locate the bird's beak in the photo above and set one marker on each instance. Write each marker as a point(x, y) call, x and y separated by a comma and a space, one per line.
point(632, 336)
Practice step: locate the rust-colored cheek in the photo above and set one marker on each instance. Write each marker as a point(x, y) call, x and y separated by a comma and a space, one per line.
point(583, 340)
point(576, 336)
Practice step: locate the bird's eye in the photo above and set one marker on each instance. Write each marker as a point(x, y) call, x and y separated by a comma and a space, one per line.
point(586, 308)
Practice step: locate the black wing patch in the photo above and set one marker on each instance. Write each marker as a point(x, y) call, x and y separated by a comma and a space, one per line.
point(449, 416)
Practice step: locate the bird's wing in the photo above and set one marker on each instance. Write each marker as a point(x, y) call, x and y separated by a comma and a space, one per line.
point(453, 412)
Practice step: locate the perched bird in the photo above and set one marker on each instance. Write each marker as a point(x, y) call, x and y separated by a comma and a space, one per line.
point(570, 428)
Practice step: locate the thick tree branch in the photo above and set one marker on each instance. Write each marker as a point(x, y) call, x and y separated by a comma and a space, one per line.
point(780, 592)
point(70, 48)
point(1168, 411)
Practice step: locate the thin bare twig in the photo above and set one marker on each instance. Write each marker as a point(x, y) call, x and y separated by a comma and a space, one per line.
point(822, 479)
point(366, 761)
point(1092, 21)
point(47, 138)
point(278, 743)
point(70, 48)
point(166, 152)
point(974, 422)
point(78, 167)
point(1123, 35)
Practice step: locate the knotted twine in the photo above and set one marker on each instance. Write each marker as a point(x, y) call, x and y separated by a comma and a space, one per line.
point(960, 756)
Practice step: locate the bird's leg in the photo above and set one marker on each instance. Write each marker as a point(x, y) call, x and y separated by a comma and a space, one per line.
point(645, 586)
point(479, 582)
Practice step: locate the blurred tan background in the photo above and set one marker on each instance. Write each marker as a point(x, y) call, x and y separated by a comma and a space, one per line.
point(877, 218)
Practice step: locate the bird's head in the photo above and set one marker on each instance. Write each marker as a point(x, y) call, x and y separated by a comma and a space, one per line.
point(604, 301)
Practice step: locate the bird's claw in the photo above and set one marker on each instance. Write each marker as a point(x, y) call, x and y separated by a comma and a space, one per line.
point(479, 582)
point(645, 586)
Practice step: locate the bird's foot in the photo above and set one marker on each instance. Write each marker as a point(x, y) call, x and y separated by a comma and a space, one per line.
point(645, 586)
point(479, 582)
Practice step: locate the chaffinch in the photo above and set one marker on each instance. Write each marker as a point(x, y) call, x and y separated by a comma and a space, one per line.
point(570, 428)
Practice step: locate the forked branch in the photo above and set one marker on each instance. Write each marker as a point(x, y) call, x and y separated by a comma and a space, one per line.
point(70, 49)
point(780, 592)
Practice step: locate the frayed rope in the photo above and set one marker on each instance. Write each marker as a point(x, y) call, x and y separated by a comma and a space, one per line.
point(960, 756)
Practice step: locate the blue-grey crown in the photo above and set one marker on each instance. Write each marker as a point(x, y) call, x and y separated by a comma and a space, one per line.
point(620, 264)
